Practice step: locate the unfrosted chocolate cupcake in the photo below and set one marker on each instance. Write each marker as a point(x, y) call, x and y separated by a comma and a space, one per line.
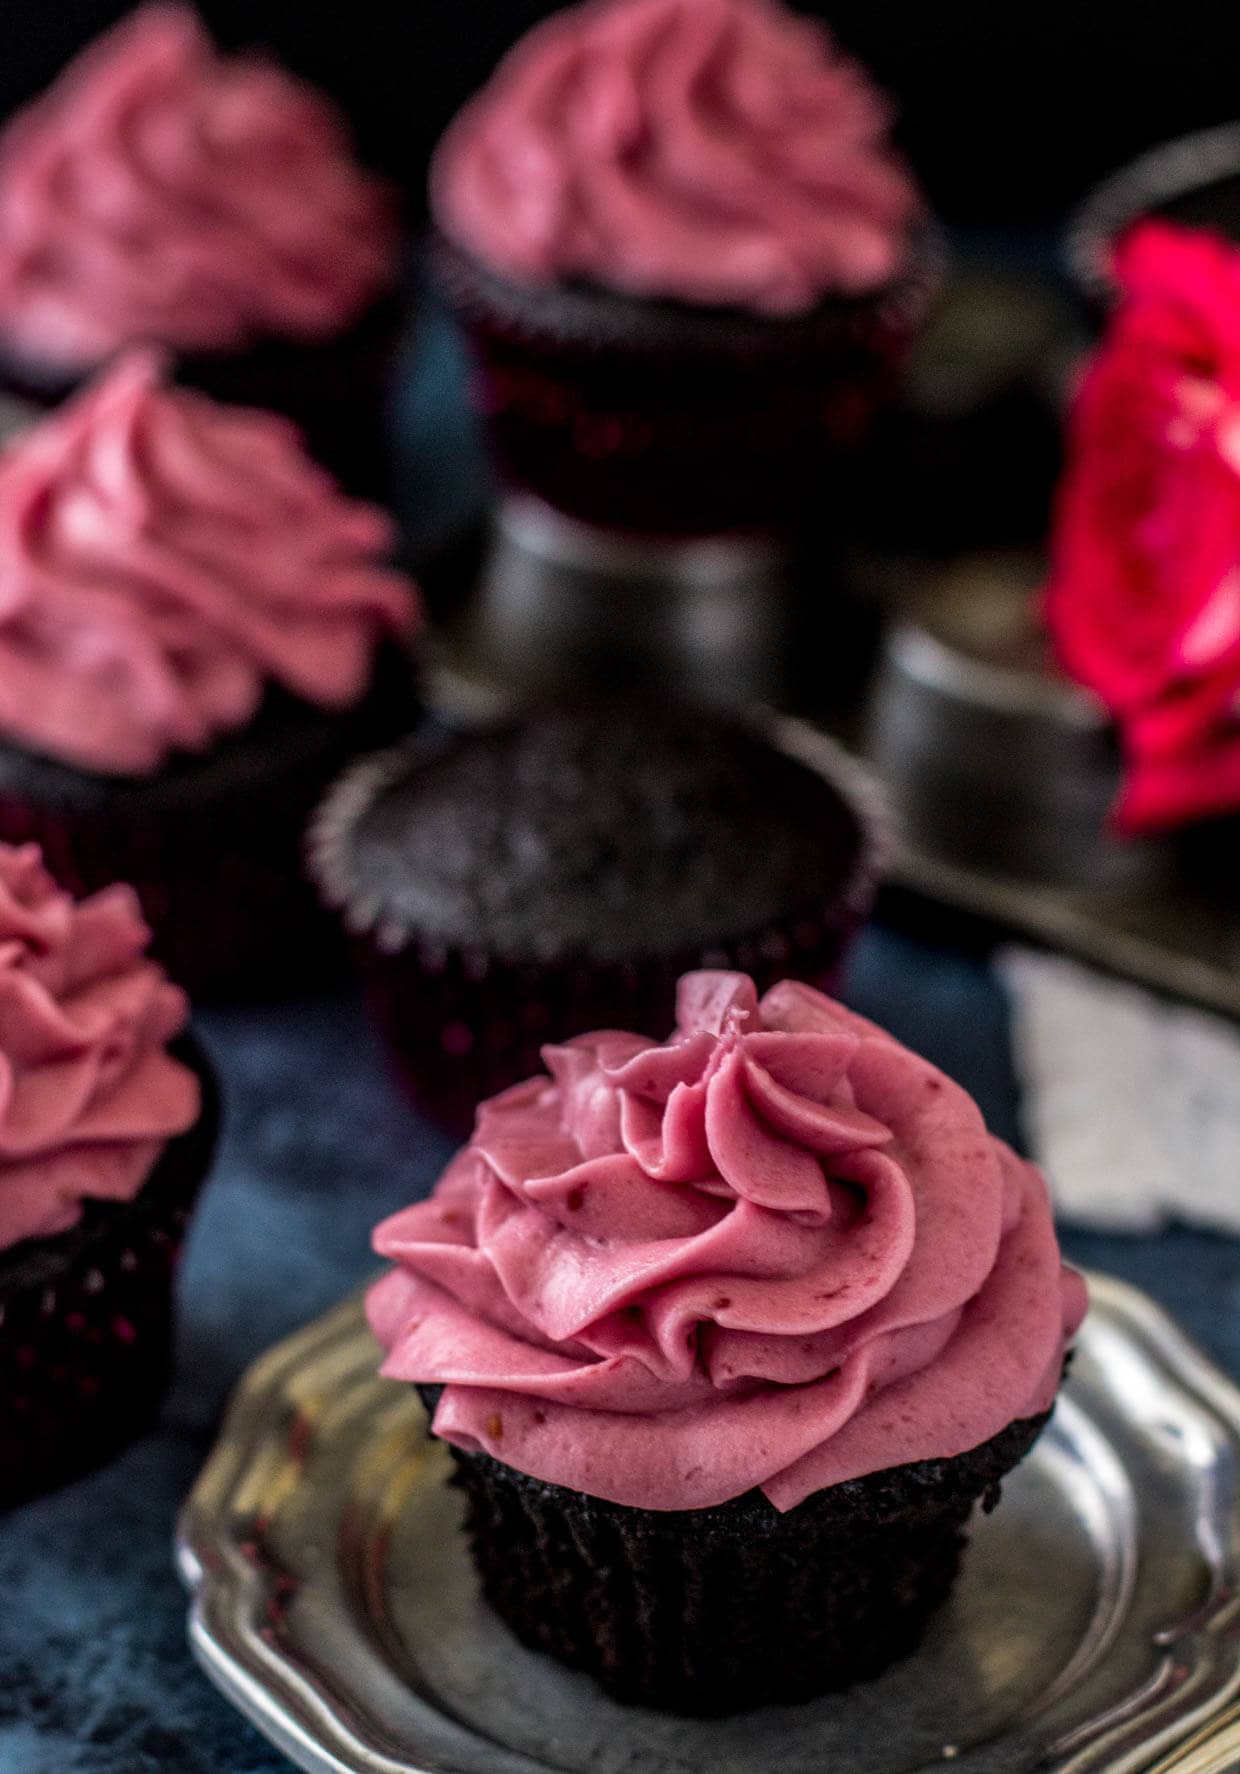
point(728, 1335)
point(199, 630)
point(163, 194)
point(558, 873)
point(687, 257)
point(106, 1132)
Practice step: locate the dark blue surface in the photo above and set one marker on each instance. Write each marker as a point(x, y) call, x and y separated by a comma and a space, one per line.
point(95, 1676)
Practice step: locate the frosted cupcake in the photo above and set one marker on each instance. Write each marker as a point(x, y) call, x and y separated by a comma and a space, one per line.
point(728, 1335)
point(160, 193)
point(687, 256)
point(197, 629)
point(106, 1131)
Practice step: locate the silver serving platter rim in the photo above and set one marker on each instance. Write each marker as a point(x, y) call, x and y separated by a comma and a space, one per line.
point(328, 1697)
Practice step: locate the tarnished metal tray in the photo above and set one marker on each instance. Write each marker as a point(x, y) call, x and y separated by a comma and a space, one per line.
point(1096, 1625)
point(1183, 943)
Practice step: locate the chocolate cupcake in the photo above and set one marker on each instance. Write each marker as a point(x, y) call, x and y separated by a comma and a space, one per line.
point(686, 257)
point(106, 1132)
point(558, 873)
point(198, 631)
point(728, 1336)
point(163, 194)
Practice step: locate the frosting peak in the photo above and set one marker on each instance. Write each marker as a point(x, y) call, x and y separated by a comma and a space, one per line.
point(160, 193)
point(715, 151)
point(777, 1250)
point(163, 556)
point(88, 1096)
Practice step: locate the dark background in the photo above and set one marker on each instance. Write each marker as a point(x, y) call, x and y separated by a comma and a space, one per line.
point(1009, 112)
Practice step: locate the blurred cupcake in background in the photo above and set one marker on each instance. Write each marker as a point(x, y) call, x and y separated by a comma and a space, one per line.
point(558, 872)
point(688, 259)
point(106, 1132)
point(163, 194)
point(197, 629)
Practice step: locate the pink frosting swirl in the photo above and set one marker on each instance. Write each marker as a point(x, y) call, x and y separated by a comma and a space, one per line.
point(779, 1250)
point(88, 1094)
point(161, 193)
point(715, 151)
point(162, 556)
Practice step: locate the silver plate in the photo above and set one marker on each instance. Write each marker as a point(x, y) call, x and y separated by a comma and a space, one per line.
point(1096, 1625)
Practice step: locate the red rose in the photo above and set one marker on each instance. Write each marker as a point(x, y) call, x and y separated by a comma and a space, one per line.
point(1143, 601)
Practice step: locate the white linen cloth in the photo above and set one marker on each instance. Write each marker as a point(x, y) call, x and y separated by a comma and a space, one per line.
point(1130, 1102)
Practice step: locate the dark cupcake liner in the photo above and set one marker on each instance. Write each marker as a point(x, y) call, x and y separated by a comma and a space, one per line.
point(213, 845)
point(229, 911)
point(463, 1023)
point(719, 1610)
point(1194, 180)
point(657, 418)
point(86, 1318)
point(334, 390)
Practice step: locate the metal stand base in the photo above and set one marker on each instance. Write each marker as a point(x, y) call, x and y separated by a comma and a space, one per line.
point(562, 605)
point(993, 759)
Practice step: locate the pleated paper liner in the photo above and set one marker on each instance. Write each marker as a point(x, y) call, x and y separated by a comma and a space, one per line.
point(86, 1317)
point(715, 1611)
point(660, 419)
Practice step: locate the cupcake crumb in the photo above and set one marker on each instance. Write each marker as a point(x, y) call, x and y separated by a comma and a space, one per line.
point(495, 1426)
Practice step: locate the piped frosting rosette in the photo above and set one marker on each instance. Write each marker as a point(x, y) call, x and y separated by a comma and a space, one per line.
point(164, 558)
point(778, 1250)
point(89, 1094)
point(713, 151)
point(160, 192)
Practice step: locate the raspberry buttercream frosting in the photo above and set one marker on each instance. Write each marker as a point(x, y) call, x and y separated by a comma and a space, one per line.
point(163, 558)
point(716, 152)
point(778, 1250)
point(161, 192)
point(89, 1094)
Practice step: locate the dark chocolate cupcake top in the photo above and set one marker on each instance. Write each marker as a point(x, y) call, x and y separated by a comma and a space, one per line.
point(606, 833)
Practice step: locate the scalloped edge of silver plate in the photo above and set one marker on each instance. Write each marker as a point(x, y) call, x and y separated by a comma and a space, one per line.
point(1183, 1717)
